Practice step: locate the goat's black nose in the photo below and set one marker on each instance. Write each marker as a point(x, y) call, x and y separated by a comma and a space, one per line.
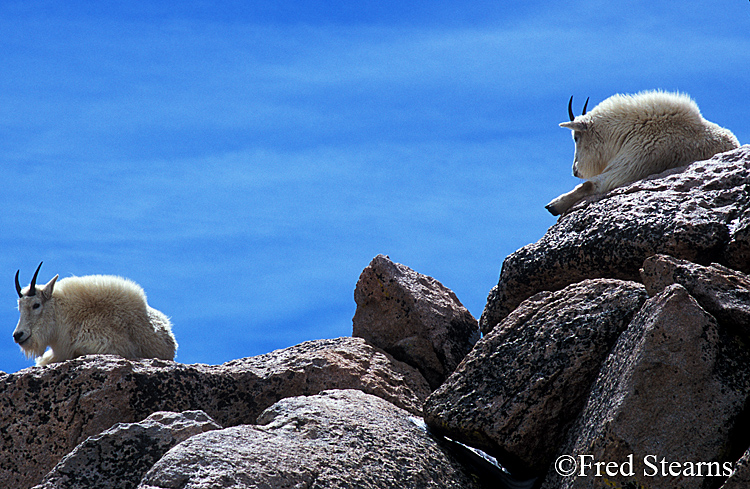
point(17, 336)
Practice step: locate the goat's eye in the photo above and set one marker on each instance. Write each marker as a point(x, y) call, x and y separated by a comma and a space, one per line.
point(36, 306)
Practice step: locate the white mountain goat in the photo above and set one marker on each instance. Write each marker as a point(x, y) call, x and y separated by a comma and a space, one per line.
point(86, 315)
point(628, 137)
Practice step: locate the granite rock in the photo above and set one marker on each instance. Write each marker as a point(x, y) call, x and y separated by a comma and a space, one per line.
point(337, 439)
point(414, 318)
point(737, 253)
point(723, 292)
point(119, 457)
point(696, 213)
point(516, 394)
point(46, 411)
point(673, 388)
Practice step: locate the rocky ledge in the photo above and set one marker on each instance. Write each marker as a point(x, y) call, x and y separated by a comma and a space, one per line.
point(615, 354)
point(699, 213)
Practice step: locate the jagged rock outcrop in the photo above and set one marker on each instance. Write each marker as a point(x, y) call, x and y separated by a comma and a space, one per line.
point(697, 213)
point(576, 360)
point(723, 292)
point(119, 457)
point(414, 318)
point(46, 411)
point(523, 385)
point(740, 479)
point(673, 389)
point(338, 439)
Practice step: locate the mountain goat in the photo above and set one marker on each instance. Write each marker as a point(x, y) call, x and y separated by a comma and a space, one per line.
point(628, 137)
point(92, 314)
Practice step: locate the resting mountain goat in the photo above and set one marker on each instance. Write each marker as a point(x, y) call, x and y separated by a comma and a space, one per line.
point(93, 314)
point(628, 137)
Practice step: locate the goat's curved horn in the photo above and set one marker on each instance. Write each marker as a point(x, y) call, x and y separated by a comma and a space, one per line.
point(570, 109)
point(32, 286)
point(584, 105)
point(18, 286)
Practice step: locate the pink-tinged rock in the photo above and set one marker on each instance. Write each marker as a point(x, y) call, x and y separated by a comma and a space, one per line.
point(723, 292)
point(414, 318)
point(696, 213)
point(46, 411)
point(516, 394)
point(119, 457)
point(338, 439)
point(673, 389)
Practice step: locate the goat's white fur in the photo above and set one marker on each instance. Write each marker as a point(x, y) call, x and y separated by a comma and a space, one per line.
point(628, 137)
point(92, 314)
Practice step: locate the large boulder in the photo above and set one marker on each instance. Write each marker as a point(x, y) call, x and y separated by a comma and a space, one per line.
point(413, 317)
point(697, 213)
point(673, 389)
point(46, 411)
point(120, 456)
point(338, 439)
point(723, 292)
point(524, 384)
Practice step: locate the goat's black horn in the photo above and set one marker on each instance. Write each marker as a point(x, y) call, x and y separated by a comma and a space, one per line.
point(584, 106)
point(32, 286)
point(570, 109)
point(18, 286)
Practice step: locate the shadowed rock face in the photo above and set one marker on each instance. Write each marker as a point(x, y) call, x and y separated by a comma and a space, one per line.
point(414, 318)
point(737, 254)
point(523, 385)
point(118, 457)
point(740, 479)
point(697, 213)
point(46, 411)
point(674, 387)
point(338, 439)
point(525, 395)
point(723, 292)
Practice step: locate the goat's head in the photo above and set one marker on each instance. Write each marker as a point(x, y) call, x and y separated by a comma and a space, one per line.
point(35, 323)
point(587, 161)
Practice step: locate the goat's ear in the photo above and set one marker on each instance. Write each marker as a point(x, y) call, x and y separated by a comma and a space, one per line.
point(575, 126)
point(48, 288)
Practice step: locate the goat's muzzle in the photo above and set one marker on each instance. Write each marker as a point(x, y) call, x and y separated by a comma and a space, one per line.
point(18, 337)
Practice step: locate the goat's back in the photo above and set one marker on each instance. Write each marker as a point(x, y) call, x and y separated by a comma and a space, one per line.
point(101, 294)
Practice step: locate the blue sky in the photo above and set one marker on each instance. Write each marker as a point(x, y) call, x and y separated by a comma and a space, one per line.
point(244, 161)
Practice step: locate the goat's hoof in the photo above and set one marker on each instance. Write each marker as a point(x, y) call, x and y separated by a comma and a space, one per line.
point(552, 210)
